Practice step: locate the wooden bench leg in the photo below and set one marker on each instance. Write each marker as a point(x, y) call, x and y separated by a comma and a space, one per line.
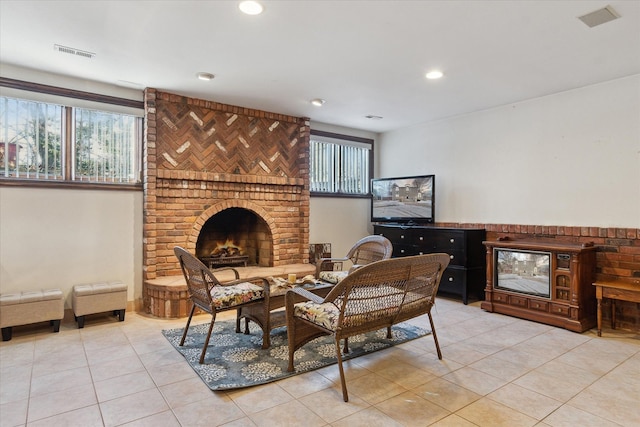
point(80, 320)
point(121, 315)
point(6, 333)
point(56, 325)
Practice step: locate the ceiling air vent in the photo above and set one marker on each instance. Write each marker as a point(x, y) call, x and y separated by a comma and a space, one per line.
point(73, 51)
point(599, 16)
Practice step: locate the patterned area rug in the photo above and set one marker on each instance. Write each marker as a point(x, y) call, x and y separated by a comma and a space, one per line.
point(238, 360)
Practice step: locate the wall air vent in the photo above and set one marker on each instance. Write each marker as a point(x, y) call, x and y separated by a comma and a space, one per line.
point(73, 51)
point(599, 16)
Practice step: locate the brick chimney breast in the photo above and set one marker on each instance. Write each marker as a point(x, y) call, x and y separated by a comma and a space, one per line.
point(202, 158)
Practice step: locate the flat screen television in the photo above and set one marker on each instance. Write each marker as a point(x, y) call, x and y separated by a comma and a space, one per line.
point(522, 271)
point(409, 199)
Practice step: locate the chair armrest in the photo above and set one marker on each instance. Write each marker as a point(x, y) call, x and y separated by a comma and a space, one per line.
point(355, 267)
point(294, 294)
point(235, 272)
point(321, 261)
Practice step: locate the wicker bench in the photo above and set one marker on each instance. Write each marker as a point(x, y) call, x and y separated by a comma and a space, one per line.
point(98, 298)
point(26, 307)
point(374, 296)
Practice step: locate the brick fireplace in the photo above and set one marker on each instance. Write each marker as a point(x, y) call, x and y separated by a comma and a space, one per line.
point(214, 171)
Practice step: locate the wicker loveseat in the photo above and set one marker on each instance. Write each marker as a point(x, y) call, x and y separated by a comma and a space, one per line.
point(374, 296)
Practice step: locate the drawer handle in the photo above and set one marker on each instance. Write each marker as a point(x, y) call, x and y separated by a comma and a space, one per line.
point(451, 279)
point(421, 253)
point(421, 238)
point(450, 256)
point(401, 251)
point(452, 240)
point(402, 236)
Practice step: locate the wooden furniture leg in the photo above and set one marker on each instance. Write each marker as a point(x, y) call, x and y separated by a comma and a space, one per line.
point(613, 314)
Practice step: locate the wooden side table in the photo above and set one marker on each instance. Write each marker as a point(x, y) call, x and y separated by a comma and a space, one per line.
point(615, 291)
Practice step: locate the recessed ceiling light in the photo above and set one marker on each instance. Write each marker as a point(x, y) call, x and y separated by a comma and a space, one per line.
point(205, 76)
point(251, 7)
point(435, 74)
point(318, 102)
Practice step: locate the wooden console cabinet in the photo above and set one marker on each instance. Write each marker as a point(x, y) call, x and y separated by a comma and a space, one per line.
point(466, 272)
point(571, 303)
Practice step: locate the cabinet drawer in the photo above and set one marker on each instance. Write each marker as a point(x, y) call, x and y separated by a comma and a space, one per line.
point(500, 298)
point(453, 280)
point(404, 250)
point(447, 241)
point(517, 301)
point(560, 309)
point(456, 257)
point(538, 305)
point(394, 234)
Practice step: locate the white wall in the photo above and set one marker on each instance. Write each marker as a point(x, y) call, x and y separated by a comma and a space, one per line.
point(57, 238)
point(337, 220)
point(569, 159)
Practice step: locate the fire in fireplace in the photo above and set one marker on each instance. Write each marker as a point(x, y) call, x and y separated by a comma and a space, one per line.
point(235, 236)
point(225, 254)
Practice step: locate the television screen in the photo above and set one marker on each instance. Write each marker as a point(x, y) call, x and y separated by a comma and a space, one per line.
point(522, 271)
point(403, 199)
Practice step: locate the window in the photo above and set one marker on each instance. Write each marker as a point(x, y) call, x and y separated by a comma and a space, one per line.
point(31, 140)
point(56, 135)
point(106, 147)
point(339, 164)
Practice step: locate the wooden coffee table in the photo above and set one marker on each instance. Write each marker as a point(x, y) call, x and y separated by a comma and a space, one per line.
point(277, 316)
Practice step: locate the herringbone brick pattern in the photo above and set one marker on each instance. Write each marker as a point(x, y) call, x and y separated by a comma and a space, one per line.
point(194, 138)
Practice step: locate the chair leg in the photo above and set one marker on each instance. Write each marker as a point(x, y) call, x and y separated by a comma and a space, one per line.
point(389, 336)
point(435, 337)
point(186, 328)
point(206, 341)
point(345, 395)
point(238, 317)
point(291, 336)
point(345, 349)
point(56, 325)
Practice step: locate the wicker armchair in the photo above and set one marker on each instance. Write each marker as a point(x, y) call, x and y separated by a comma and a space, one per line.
point(211, 296)
point(374, 296)
point(366, 250)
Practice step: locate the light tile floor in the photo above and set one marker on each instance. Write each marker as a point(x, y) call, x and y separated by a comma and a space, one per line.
point(497, 371)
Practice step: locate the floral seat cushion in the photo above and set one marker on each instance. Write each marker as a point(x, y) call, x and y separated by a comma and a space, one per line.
point(333, 276)
point(325, 315)
point(228, 296)
point(385, 302)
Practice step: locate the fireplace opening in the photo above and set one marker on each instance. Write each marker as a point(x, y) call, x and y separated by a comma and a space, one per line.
point(235, 236)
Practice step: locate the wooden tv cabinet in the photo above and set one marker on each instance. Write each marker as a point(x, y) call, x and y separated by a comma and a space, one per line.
point(572, 300)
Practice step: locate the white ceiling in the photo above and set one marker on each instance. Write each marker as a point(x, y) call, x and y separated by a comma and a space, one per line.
point(363, 57)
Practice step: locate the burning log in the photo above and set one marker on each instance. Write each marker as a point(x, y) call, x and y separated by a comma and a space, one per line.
point(226, 249)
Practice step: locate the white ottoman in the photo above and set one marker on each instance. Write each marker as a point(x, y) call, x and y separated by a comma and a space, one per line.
point(26, 307)
point(98, 298)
